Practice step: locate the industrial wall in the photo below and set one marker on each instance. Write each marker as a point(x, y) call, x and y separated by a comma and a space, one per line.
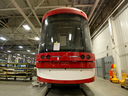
point(102, 43)
point(113, 40)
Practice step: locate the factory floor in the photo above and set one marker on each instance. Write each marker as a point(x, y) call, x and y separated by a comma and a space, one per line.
point(100, 87)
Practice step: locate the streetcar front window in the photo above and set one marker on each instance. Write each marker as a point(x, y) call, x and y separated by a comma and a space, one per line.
point(64, 33)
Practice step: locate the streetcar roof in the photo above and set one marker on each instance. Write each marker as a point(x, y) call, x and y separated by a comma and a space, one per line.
point(64, 10)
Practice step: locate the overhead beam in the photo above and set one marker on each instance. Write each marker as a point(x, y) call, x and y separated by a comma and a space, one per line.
point(19, 16)
point(5, 26)
point(29, 15)
point(42, 7)
point(93, 9)
point(34, 12)
point(5, 7)
point(74, 2)
point(25, 37)
point(23, 14)
point(67, 2)
point(8, 4)
point(116, 5)
point(30, 43)
point(24, 21)
point(94, 15)
point(17, 34)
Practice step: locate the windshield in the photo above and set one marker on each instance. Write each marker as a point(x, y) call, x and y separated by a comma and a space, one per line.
point(65, 32)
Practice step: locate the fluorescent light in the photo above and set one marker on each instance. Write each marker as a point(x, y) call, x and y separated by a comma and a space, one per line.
point(70, 35)
point(33, 53)
point(18, 54)
point(5, 58)
point(2, 38)
point(9, 51)
point(46, 22)
point(52, 39)
point(28, 50)
point(20, 46)
point(14, 56)
point(28, 57)
point(26, 27)
point(37, 38)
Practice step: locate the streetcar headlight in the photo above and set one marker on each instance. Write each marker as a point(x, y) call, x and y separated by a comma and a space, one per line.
point(42, 57)
point(48, 56)
point(88, 57)
point(82, 56)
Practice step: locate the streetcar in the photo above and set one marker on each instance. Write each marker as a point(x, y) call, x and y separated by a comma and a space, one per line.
point(65, 55)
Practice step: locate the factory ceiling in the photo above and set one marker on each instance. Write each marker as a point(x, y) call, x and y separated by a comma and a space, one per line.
point(16, 13)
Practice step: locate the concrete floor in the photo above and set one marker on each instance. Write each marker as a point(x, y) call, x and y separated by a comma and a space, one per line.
point(100, 87)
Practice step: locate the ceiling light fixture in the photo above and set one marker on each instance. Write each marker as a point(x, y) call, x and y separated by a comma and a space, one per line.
point(20, 46)
point(13, 55)
point(9, 51)
point(18, 54)
point(1, 47)
point(2, 38)
point(37, 38)
point(26, 27)
point(28, 50)
point(33, 53)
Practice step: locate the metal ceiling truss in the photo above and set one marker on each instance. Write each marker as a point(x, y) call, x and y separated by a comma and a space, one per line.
point(5, 26)
point(23, 20)
point(33, 9)
point(75, 3)
point(93, 8)
point(23, 14)
point(9, 16)
point(103, 14)
point(67, 2)
point(44, 7)
point(33, 12)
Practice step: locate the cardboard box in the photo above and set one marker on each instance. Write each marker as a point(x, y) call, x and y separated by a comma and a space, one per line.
point(126, 85)
point(126, 79)
point(126, 82)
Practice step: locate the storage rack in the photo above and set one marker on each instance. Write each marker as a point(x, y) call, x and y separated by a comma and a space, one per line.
point(16, 70)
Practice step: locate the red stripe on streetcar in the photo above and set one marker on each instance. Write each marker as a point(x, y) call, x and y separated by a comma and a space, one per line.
point(66, 81)
point(65, 56)
point(65, 65)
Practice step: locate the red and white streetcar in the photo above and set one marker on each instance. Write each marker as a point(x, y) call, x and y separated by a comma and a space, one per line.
point(65, 55)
